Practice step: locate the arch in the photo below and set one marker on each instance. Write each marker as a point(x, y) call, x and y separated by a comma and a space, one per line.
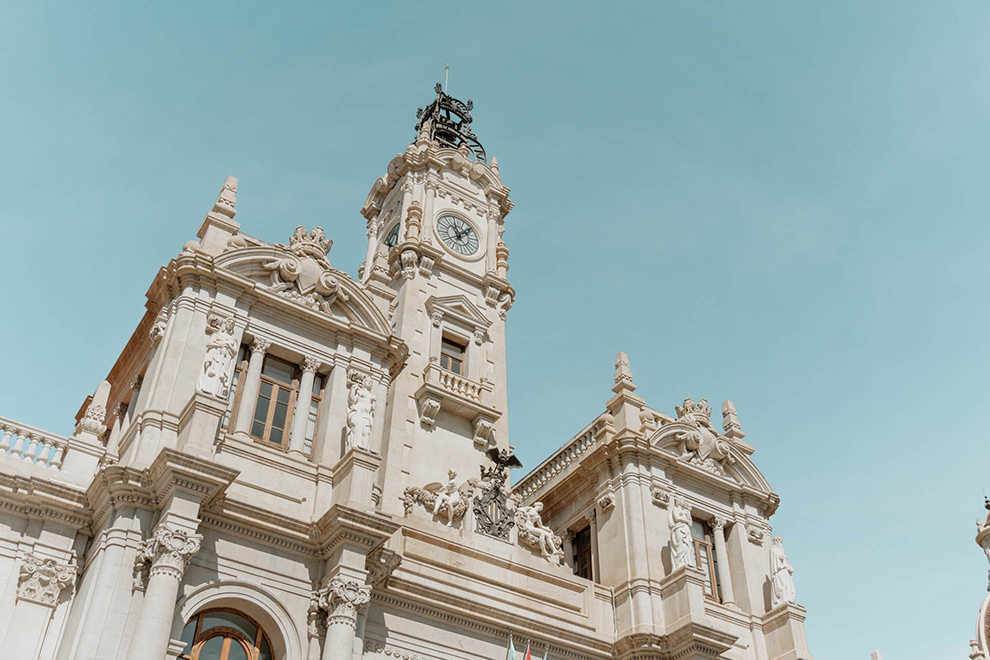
point(250, 599)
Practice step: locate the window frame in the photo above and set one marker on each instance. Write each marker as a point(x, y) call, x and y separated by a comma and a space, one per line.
point(581, 555)
point(707, 545)
point(461, 361)
point(230, 635)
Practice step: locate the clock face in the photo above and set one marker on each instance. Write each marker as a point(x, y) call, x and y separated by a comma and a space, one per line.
point(458, 235)
point(393, 237)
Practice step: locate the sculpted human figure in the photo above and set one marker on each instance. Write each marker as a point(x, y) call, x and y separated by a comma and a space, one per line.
point(782, 580)
point(539, 535)
point(681, 547)
point(360, 412)
point(220, 351)
point(448, 497)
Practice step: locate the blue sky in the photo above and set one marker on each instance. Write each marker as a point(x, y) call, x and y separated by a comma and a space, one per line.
point(782, 203)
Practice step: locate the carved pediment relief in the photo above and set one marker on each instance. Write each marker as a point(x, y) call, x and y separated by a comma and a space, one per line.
point(693, 440)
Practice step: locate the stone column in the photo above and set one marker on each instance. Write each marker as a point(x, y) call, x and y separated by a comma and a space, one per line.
point(40, 585)
point(168, 550)
point(428, 204)
point(722, 557)
point(568, 548)
point(595, 570)
point(250, 384)
point(297, 439)
point(341, 599)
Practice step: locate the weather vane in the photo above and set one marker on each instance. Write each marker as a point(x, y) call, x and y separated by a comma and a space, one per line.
point(446, 77)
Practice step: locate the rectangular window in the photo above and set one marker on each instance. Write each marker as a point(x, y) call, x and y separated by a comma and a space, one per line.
point(704, 555)
point(451, 356)
point(582, 553)
point(276, 399)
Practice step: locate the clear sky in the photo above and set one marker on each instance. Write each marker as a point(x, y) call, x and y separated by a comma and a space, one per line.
point(782, 203)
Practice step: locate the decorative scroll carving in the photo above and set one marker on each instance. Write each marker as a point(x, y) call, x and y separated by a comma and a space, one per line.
point(606, 502)
point(214, 378)
point(703, 446)
point(441, 499)
point(42, 580)
point(429, 407)
point(492, 509)
point(380, 564)
point(503, 305)
point(157, 330)
point(681, 547)
point(660, 497)
point(533, 533)
point(360, 411)
point(341, 600)
point(782, 579)
point(92, 420)
point(409, 260)
point(168, 551)
point(755, 535)
point(482, 429)
point(305, 275)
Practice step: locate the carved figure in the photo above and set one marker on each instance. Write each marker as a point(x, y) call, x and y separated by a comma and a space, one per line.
point(534, 533)
point(782, 574)
point(681, 547)
point(360, 412)
point(447, 497)
point(221, 348)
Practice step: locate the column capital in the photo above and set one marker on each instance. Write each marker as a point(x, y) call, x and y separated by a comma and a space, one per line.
point(310, 364)
point(42, 580)
point(169, 550)
point(260, 345)
point(341, 599)
point(719, 523)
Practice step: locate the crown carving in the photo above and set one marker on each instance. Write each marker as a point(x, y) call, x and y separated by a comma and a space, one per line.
point(314, 244)
point(694, 412)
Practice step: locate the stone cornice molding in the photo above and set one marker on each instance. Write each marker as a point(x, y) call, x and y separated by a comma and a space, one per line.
point(42, 579)
point(173, 470)
point(118, 485)
point(44, 499)
point(341, 524)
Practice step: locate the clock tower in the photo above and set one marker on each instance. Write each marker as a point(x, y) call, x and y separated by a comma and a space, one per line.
point(437, 260)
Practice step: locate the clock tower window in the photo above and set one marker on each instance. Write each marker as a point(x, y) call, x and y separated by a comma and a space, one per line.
point(452, 356)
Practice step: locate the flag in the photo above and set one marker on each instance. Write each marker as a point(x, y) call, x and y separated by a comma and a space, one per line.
point(527, 656)
point(510, 653)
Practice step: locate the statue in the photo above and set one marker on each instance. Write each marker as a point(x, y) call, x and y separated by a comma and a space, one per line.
point(221, 348)
point(681, 546)
point(360, 412)
point(534, 533)
point(782, 575)
point(448, 497)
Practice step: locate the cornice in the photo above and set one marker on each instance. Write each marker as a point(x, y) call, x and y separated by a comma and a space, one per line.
point(341, 524)
point(44, 499)
point(173, 470)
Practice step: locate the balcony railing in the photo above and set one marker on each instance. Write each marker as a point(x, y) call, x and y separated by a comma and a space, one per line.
point(27, 443)
point(457, 384)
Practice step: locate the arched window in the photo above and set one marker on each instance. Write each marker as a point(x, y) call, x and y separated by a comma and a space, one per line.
point(224, 635)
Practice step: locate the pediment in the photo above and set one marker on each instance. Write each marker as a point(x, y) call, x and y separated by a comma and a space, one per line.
point(308, 282)
point(460, 309)
point(692, 443)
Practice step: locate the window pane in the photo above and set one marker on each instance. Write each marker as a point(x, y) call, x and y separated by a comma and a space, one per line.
point(318, 384)
point(266, 651)
point(230, 620)
point(279, 370)
point(212, 649)
point(276, 436)
point(455, 366)
point(281, 411)
point(283, 396)
point(188, 633)
point(237, 651)
point(698, 529)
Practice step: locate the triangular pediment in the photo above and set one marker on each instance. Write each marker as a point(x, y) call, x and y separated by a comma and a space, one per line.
point(458, 308)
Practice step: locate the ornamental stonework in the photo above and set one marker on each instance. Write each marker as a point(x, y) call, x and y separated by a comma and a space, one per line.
point(42, 580)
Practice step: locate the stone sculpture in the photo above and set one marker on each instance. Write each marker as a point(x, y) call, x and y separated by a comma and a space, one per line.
point(681, 547)
point(448, 498)
point(535, 534)
point(360, 412)
point(304, 274)
point(703, 446)
point(782, 580)
point(221, 348)
point(42, 579)
point(439, 499)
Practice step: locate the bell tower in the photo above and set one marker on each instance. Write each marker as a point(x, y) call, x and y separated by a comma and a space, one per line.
point(435, 252)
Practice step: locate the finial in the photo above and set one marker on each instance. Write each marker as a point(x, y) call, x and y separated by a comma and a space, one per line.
point(228, 198)
point(623, 374)
point(730, 421)
point(446, 77)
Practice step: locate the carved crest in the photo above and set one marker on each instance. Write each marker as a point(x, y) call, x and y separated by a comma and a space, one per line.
point(305, 275)
point(703, 446)
point(493, 508)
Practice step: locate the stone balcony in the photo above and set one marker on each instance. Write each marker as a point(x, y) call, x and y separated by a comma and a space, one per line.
point(457, 395)
point(31, 451)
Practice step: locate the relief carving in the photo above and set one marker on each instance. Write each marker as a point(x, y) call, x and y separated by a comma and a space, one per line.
point(360, 411)
point(702, 446)
point(42, 580)
point(450, 500)
point(221, 347)
point(305, 276)
point(341, 600)
point(167, 552)
point(681, 546)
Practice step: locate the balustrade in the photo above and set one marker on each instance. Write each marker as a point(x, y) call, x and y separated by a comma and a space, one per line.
point(458, 384)
point(27, 443)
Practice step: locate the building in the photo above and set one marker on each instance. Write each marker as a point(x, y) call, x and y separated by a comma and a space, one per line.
point(980, 644)
point(286, 463)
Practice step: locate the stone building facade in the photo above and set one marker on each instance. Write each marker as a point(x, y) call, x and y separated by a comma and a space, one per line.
point(286, 463)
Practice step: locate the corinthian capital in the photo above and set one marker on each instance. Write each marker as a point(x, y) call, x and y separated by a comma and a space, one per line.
point(169, 550)
point(342, 599)
point(42, 580)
